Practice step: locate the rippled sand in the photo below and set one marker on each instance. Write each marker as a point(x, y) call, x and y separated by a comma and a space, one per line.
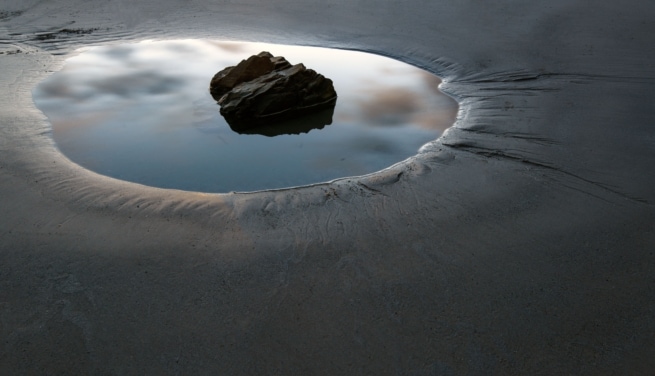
point(520, 242)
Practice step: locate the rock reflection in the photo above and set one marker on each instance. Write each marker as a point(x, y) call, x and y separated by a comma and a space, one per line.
point(303, 124)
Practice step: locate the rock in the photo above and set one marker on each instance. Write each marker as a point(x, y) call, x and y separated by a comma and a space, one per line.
point(255, 66)
point(264, 89)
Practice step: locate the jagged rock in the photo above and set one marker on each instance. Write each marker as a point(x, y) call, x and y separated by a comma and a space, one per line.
point(265, 89)
point(249, 69)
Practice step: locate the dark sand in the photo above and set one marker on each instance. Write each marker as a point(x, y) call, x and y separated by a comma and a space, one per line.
point(520, 242)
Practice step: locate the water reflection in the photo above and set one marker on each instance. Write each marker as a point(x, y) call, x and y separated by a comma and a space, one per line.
point(390, 106)
point(142, 112)
point(297, 125)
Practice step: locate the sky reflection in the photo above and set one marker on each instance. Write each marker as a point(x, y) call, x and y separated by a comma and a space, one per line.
point(143, 113)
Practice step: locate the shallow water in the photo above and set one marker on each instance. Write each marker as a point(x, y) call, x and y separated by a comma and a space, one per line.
point(143, 113)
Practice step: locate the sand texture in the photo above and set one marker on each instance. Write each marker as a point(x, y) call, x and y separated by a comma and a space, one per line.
point(520, 242)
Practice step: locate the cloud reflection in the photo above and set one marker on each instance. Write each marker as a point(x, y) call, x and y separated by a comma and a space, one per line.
point(120, 52)
point(128, 85)
point(421, 104)
point(389, 106)
point(229, 47)
point(136, 84)
point(149, 102)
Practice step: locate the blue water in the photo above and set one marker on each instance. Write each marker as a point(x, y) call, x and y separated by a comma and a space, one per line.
point(143, 113)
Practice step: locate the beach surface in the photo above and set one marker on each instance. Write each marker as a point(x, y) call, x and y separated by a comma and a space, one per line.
point(522, 241)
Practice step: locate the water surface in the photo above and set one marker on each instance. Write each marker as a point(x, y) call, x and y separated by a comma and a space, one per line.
point(143, 113)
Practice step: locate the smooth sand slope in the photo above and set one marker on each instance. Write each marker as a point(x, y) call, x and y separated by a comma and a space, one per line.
point(520, 242)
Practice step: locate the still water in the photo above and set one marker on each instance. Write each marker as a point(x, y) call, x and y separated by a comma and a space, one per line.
point(143, 113)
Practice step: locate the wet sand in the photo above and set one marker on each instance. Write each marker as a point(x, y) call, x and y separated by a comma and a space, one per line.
point(520, 242)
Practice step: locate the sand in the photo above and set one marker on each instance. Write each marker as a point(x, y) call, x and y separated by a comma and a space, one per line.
point(520, 242)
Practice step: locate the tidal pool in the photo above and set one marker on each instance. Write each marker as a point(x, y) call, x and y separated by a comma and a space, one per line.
point(143, 113)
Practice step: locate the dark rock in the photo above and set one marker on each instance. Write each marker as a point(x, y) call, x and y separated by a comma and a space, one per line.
point(255, 66)
point(264, 89)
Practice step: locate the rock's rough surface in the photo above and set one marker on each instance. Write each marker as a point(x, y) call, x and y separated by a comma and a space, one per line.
point(265, 89)
point(249, 69)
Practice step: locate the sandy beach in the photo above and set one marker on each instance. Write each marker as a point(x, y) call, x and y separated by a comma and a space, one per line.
point(522, 241)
